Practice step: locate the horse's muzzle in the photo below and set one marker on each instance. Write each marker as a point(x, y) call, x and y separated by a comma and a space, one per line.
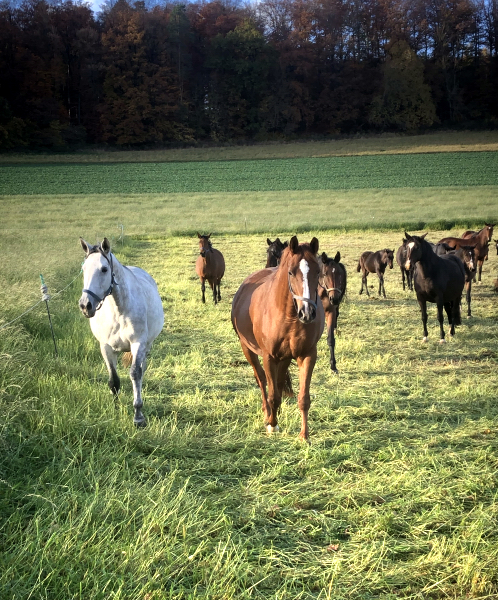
point(307, 313)
point(87, 308)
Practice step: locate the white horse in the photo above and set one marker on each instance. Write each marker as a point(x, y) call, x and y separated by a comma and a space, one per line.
point(125, 312)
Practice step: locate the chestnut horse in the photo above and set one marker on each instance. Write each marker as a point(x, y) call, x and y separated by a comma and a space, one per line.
point(481, 241)
point(209, 265)
point(375, 262)
point(331, 288)
point(274, 252)
point(276, 315)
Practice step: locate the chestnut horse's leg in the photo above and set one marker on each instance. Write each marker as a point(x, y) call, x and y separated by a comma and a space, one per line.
point(306, 365)
point(212, 284)
point(259, 375)
point(423, 308)
point(480, 262)
point(203, 289)
point(275, 373)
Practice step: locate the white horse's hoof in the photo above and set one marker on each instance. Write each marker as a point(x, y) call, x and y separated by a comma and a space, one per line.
point(271, 429)
point(442, 341)
point(424, 340)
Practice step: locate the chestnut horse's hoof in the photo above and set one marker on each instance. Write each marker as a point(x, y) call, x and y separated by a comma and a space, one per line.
point(271, 429)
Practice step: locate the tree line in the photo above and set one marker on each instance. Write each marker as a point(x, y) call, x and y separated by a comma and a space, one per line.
point(136, 75)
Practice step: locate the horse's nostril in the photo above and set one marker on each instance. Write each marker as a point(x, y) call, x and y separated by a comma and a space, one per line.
point(88, 305)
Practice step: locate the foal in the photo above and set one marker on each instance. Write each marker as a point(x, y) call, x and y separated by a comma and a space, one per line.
point(331, 289)
point(375, 262)
point(438, 279)
point(274, 252)
point(209, 265)
point(401, 260)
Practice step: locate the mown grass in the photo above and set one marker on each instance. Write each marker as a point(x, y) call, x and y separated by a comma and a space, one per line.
point(445, 141)
point(330, 173)
point(394, 498)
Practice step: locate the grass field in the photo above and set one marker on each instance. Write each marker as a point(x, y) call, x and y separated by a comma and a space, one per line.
point(395, 497)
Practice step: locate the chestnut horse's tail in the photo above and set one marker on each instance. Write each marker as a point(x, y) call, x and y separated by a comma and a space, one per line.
point(126, 359)
point(287, 389)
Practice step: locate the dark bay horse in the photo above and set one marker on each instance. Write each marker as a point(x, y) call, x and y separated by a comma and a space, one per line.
point(331, 289)
point(438, 279)
point(209, 265)
point(481, 240)
point(401, 260)
point(467, 255)
point(375, 262)
point(274, 252)
point(276, 315)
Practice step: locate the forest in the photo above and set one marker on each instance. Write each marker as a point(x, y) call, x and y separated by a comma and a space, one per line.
point(141, 75)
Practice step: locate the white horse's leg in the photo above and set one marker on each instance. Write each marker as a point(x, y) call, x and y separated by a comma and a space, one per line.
point(110, 358)
point(139, 353)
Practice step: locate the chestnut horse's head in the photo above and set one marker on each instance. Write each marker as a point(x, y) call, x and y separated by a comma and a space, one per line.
point(332, 278)
point(489, 230)
point(204, 244)
point(303, 272)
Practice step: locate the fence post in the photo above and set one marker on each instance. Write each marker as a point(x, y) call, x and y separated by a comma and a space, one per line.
point(46, 297)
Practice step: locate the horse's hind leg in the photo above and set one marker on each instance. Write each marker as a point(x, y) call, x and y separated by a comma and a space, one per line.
point(213, 289)
point(110, 358)
point(468, 287)
point(219, 290)
point(137, 369)
point(403, 277)
point(259, 374)
point(275, 376)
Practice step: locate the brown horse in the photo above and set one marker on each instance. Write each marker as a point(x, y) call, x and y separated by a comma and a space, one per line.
point(401, 260)
point(481, 241)
point(331, 288)
point(209, 265)
point(276, 315)
point(375, 262)
point(467, 255)
point(274, 252)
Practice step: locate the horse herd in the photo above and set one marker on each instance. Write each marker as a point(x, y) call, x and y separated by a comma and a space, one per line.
point(279, 312)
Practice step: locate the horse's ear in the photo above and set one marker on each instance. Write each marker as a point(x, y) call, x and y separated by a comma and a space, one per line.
point(286, 243)
point(106, 246)
point(208, 236)
point(337, 257)
point(324, 257)
point(314, 245)
point(422, 237)
point(268, 241)
point(408, 237)
point(293, 244)
point(199, 235)
point(86, 246)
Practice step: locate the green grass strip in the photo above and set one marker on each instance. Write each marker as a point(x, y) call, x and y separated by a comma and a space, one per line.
point(331, 173)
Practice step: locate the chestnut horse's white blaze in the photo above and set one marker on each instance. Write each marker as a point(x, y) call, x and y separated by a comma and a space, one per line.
point(125, 312)
point(305, 269)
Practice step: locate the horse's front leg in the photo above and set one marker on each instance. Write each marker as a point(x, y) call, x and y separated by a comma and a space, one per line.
point(423, 309)
point(219, 290)
point(306, 365)
point(138, 364)
point(275, 373)
point(110, 358)
point(479, 268)
point(203, 289)
point(331, 318)
point(403, 277)
point(468, 287)
point(440, 318)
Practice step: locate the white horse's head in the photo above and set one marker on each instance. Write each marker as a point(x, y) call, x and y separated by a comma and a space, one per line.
point(98, 276)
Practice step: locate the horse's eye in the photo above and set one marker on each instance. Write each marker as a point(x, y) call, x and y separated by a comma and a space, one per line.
point(104, 269)
point(290, 272)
